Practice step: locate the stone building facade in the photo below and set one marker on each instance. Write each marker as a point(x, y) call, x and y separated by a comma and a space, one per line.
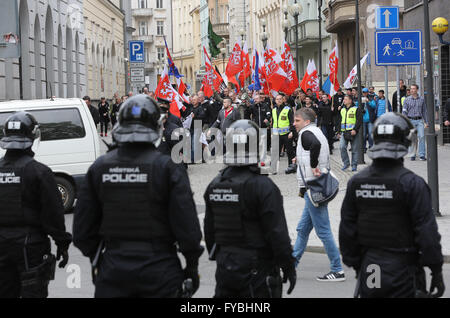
point(52, 52)
point(104, 48)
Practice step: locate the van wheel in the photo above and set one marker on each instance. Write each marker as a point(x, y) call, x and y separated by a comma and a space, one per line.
point(67, 191)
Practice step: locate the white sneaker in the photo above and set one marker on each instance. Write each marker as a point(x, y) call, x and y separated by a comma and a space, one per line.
point(332, 277)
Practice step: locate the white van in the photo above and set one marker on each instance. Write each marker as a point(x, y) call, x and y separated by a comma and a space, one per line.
point(69, 139)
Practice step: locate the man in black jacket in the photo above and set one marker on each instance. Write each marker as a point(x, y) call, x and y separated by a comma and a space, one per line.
point(395, 107)
point(260, 112)
point(94, 111)
point(31, 209)
point(138, 204)
point(325, 121)
point(103, 110)
point(388, 231)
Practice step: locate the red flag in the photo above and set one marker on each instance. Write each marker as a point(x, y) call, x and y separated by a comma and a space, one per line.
point(288, 66)
point(246, 70)
point(182, 89)
point(235, 63)
point(311, 79)
point(213, 77)
point(165, 90)
point(334, 65)
point(263, 79)
point(276, 77)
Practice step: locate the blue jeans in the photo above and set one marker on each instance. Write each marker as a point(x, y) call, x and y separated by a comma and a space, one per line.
point(419, 125)
point(368, 127)
point(355, 151)
point(318, 219)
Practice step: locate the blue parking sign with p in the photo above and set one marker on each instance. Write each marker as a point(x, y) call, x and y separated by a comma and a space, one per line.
point(137, 52)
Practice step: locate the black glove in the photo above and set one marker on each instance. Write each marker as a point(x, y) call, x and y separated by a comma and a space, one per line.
point(302, 193)
point(437, 282)
point(290, 274)
point(62, 252)
point(192, 274)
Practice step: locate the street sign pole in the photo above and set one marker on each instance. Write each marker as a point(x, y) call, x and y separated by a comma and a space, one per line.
point(399, 106)
point(431, 136)
point(361, 107)
point(386, 84)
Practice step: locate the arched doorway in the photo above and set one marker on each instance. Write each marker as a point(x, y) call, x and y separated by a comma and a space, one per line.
point(60, 64)
point(98, 72)
point(114, 68)
point(91, 75)
point(77, 66)
point(25, 43)
point(37, 59)
point(69, 62)
point(49, 69)
point(86, 66)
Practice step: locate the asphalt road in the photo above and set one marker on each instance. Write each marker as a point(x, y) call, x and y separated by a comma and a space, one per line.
point(75, 280)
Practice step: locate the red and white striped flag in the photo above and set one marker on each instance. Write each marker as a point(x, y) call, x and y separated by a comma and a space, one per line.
point(288, 66)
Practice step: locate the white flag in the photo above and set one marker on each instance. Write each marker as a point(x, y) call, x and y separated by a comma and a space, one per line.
point(351, 77)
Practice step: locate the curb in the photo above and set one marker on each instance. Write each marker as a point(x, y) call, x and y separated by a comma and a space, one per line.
point(321, 250)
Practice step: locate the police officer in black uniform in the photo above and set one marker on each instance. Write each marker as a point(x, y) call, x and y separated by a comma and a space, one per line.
point(140, 204)
point(171, 118)
point(245, 226)
point(388, 229)
point(169, 127)
point(30, 209)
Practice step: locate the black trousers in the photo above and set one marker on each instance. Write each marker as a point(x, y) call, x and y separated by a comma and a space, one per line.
point(136, 272)
point(12, 264)
point(284, 140)
point(328, 131)
point(245, 276)
point(104, 125)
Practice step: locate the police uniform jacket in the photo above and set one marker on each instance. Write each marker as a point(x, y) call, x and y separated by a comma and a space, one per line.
point(41, 205)
point(167, 199)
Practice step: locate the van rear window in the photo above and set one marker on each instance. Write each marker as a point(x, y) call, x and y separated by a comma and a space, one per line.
point(55, 124)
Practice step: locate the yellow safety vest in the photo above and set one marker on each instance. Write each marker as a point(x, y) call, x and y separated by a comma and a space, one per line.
point(348, 118)
point(402, 101)
point(281, 124)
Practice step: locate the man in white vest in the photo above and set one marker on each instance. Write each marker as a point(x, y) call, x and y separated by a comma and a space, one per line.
point(313, 157)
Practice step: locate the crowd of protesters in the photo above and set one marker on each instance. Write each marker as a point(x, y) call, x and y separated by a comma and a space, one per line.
point(339, 117)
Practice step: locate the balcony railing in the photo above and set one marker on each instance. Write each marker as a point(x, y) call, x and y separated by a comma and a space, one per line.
point(146, 12)
point(339, 14)
point(145, 38)
point(221, 29)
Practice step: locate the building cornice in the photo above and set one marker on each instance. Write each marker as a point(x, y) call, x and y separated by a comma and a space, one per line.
point(113, 8)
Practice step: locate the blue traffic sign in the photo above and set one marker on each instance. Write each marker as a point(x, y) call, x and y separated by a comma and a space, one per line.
point(387, 18)
point(137, 51)
point(398, 47)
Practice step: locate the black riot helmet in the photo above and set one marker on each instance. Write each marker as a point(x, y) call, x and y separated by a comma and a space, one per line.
point(392, 135)
point(20, 131)
point(242, 144)
point(139, 121)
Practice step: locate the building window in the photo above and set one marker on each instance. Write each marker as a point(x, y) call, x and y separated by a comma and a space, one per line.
point(142, 4)
point(143, 28)
point(161, 53)
point(159, 4)
point(160, 27)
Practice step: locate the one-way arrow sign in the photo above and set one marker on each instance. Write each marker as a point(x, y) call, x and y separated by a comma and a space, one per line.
point(387, 18)
point(386, 14)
